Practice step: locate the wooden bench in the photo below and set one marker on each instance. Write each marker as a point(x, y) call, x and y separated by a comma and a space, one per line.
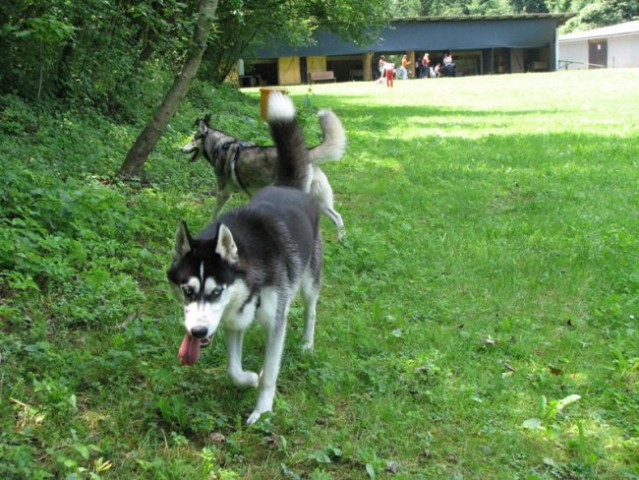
point(327, 76)
point(538, 66)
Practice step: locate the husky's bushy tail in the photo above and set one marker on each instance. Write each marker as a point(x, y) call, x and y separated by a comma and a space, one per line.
point(334, 142)
point(293, 169)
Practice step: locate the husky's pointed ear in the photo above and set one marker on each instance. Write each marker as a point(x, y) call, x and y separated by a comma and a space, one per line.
point(207, 119)
point(202, 126)
point(226, 247)
point(183, 241)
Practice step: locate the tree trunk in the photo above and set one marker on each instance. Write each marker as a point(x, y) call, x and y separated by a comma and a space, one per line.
point(139, 152)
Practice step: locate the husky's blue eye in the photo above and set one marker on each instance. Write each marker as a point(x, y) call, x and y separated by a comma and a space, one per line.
point(188, 291)
point(217, 291)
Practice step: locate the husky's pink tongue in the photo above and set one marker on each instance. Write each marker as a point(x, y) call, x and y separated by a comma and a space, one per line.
point(189, 350)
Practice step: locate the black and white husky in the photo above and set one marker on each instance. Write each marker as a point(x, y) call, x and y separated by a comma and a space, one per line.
point(243, 166)
point(250, 262)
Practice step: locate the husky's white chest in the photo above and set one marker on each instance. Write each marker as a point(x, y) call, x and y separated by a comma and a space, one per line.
point(241, 310)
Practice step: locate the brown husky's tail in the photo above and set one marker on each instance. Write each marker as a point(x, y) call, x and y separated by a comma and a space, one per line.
point(333, 142)
point(293, 159)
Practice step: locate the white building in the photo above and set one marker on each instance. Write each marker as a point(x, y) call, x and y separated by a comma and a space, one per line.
point(616, 46)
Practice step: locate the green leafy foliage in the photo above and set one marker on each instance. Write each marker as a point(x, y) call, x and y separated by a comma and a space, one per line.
point(89, 52)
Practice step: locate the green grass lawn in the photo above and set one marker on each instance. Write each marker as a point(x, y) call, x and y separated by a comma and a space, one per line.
point(479, 321)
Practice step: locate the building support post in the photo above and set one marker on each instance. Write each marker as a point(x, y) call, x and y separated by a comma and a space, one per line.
point(367, 59)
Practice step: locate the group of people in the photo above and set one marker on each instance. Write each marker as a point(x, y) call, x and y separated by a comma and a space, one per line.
point(387, 70)
point(423, 68)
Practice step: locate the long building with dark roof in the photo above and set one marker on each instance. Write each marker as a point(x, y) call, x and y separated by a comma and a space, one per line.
point(480, 45)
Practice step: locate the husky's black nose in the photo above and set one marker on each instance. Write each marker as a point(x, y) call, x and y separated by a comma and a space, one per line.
point(199, 332)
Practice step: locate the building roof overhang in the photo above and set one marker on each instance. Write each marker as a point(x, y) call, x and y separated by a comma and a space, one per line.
point(621, 29)
point(561, 18)
point(466, 32)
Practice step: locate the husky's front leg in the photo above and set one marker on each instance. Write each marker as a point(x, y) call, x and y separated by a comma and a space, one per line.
point(242, 378)
point(272, 358)
point(221, 197)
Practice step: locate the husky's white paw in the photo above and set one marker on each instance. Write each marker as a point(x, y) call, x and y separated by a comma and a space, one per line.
point(307, 347)
point(255, 416)
point(246, 379)
point(264, 402)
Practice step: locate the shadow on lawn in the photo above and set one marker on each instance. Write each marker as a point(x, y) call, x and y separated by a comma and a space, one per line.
point(421, 111)
point(491, 135)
